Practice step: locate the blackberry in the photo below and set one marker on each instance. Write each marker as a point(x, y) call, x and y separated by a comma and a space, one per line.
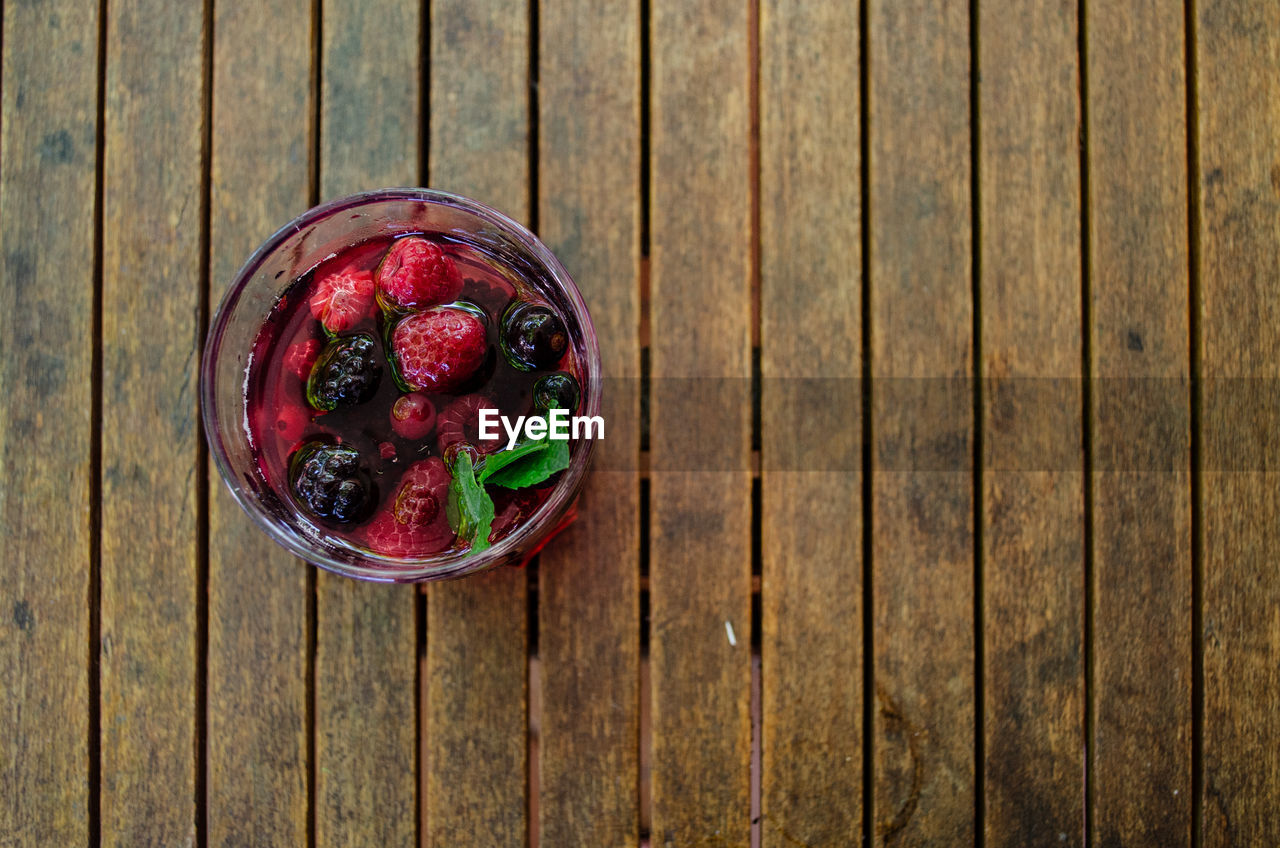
point(556, 391)
point(330, 482)
point(347, 373)
point(533, 337)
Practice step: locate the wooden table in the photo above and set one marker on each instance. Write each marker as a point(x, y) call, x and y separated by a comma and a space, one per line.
point(869, 599)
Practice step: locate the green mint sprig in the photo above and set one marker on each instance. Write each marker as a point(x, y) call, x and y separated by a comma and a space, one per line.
point(470, 509)
point(528, 463)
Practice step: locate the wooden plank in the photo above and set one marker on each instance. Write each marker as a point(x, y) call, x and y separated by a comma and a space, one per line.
point(1141, 769)
point(479, 143)
point(810, 253)
point(1237, 46)
point(366, 635)
point(922, 429)
point(50, 89)
point(477, 629)
point(700, 422)
point(588, 599)
point(1032, 427)
point(150, 339)
point(370, 96)
point(258, 594)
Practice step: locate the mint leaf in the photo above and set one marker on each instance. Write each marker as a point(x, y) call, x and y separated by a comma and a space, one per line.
point(503, 459)
point(470, 509)
point(531, 467)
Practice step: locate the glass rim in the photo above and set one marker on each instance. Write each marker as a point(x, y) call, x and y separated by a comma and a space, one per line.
point(373, 566)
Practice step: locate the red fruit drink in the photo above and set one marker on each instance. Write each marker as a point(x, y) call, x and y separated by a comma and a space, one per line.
point(365, 386)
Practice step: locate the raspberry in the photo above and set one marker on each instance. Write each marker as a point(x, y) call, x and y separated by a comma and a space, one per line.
point(291, 422)
point(414, 521)
point(343, 299)
point(386, 450)
point(511, 508)
point(415, 274)
point(300, 356)
point(416, 505)
point(461, 423)
point(439, 349)
point(413, 416)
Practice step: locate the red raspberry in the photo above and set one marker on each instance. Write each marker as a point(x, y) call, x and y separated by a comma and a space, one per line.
point(413, 416)
point(439, 349)
point(461, 423)
point(413, 522)
point(386, 450)
point(511, 508)
point(415, 274)
point(300, 356)
point(343, 299)
point(291, 423)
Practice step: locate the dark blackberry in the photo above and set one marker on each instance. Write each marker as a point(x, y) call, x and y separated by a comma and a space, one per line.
point(347, 373)
point(330, 482)
point(556, 391)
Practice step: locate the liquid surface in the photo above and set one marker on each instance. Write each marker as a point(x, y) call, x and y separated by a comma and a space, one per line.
point(281, 420)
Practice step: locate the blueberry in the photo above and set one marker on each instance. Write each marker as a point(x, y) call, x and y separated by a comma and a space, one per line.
point(556, 391)
point(346, 373)
point(330, 482)
point(533, 337)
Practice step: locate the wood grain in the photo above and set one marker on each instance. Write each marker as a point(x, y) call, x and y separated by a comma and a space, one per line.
point(258, 594)
point(476, 675)
point(810, 253)
point(150, 340)
point(1141, 770)
point(365, 710)
point(366, 635)
point(370, 96)
point(1237, 47)
point(588, 600)
point(1033, 479)
point(479, 143)
point(50, 85)
point(700, 566)
point(922, 429)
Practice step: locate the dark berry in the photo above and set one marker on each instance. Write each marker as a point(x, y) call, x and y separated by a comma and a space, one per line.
point(330, 482)
point(556, 391)
point(347, 373)
point(533, 337)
